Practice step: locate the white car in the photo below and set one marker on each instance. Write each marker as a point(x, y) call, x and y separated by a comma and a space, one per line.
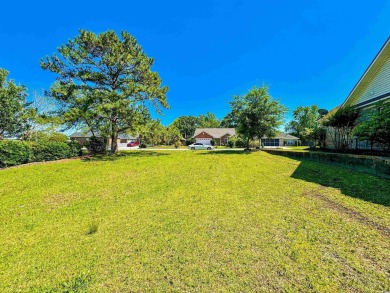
point(200, 146)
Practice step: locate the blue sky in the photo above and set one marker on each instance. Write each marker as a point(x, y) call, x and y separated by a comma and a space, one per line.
point(308, 52)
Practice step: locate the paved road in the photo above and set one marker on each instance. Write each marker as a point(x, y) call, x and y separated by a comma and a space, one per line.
point(181, 149)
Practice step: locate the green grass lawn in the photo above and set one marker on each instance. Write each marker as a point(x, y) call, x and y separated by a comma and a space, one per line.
point(193, 221)
point(297, 148)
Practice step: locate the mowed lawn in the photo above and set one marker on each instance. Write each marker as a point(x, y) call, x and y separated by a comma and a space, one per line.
point(193, 221)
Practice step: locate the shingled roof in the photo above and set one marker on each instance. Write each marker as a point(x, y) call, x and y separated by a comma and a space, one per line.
point(284, 136)
point(215, 132)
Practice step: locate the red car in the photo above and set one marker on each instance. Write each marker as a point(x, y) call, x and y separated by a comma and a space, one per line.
point(133, 144)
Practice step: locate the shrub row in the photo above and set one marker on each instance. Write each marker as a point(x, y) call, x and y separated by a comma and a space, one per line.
point(20, 152)
point(236, 143)
point(374, 165)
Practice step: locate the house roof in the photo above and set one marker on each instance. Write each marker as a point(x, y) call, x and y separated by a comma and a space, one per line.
point(81, 134)
point(216, 132)
point(88, 134)
point(368, 75)
point(284, 136)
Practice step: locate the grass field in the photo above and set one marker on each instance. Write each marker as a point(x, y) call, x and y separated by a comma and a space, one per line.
point(193, 221)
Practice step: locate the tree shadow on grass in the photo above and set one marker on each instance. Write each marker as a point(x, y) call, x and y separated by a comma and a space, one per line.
point(124, 154)
point(350, 182)
point(226, 152)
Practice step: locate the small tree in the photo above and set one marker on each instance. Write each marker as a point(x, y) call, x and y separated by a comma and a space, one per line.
point(104, 82)
point(319, 136)
point(208, 121)
point(376, 128)
point(258, 114)
point(13, 106)
point(341, 125)
point(174, 136)
point(40, 119)
point(305, 121)
point(186, 125)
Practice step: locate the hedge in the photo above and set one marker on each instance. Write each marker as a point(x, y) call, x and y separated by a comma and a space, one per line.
point(14, 152)
point(379, 166)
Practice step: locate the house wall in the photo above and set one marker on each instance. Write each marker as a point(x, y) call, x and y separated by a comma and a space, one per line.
point(80, 140)
point(222, 140)
point(376, 89)
point(378, 86)
point(203, 135)
point(290, 142)
point(276, 142)
point(203, 138)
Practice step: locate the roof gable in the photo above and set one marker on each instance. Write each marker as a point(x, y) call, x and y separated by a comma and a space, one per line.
point(215, 132)
point(374, 85)
point(282, 135)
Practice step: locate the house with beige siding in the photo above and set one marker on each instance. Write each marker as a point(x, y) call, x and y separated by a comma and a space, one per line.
point(280, 139)
point(372, 87)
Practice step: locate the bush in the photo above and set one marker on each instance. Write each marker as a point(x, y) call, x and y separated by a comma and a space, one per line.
point(97, 145)
point(254, 144)
point(240, 143)
point(50, 151)
point(230, 143)
point(45, 136)
point(14, 152)
point(190, 141)
point(212, 142)
point(177, 144)
point(142, 145)
point(75, 149)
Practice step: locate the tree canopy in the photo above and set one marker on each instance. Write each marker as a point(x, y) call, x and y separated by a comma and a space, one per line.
point(341, 125)
point(257, 114)
point(105, 83)
point(376, 127)
point(208, 121)
point(229, 121)
point(13, 106)
point(187, 124)
point(305, 122)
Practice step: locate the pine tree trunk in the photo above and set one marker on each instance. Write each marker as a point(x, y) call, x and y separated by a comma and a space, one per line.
point(114, 143)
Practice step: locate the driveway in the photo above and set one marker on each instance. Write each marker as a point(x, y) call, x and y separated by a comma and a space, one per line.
point(126, 148)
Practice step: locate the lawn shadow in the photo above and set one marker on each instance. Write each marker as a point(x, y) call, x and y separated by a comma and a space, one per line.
point(123, 154)
point(350, 182)
point(226, 152)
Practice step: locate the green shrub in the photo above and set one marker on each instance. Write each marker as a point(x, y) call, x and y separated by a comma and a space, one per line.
point(177, 144)
point(50, 151)
point(230, 143)
point(254, 144)
point(212, 142)
point(97, 145)
point(240, 143)
point(75, 149)
point(190, 141)
point(13, 152)
point(142, 145)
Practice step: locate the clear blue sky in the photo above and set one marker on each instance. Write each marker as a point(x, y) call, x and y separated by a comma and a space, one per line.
point(308, 52)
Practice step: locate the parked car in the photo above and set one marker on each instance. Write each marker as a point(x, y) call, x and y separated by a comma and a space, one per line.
point(200, 146)
point(133, 144)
